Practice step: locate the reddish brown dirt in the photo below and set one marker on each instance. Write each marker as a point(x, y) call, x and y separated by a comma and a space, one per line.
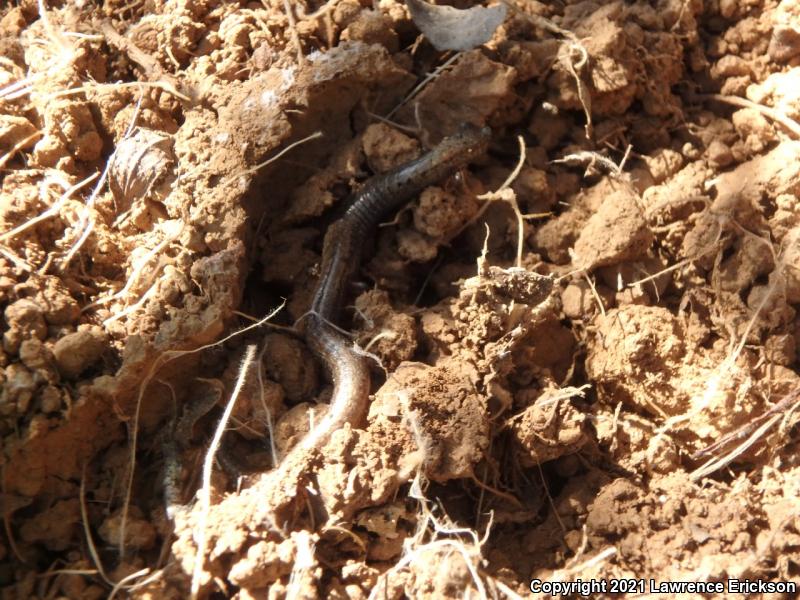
point(521, 427)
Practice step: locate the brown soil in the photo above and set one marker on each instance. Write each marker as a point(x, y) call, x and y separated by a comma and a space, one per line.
point(519, 429)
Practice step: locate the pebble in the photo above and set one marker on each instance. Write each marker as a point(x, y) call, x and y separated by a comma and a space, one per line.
point(25, 320)
point(75, 352)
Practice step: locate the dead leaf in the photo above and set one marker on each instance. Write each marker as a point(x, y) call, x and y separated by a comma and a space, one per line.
point(139, 163)
point(449, 28)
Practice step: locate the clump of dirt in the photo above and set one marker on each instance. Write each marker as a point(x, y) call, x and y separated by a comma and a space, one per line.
point(587, 369)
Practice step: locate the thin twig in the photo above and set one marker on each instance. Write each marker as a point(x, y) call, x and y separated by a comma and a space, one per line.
point(98, 87)
point(267, 413)
point(503, 193)
point(18, 146)
point(156, 75)
point(418, 88)
point(781, 407)
point(308, 138)
point(123, 583)
point(287, 7)
point(208, 465)
point(87, 217)
point(137, 271)
point(767, 111)
point(53, 210)
point(717, 463)
point(157, 364)
point(88, 532)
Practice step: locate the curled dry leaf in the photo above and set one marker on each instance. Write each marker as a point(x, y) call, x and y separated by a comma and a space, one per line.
point(140, 162)
point(449, 28)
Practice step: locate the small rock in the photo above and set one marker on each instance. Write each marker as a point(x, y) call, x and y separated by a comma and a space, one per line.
point(6, 287)
point(386, 148)
point(690, 151)
point(754, 128)
point(632, 295)
point(579, 302)
point(618, 231)
point(372, 28)
point(16, 130)
point(542, 433)
point(641, 179)
point(50, 399)
point(292, 367)
point(54, 527)
point(736, 86)
point(662, 455)
point(75, 352)
point(415, 246)
point(730, 66)
point(346, 12)
point(533, 189)
point(294, 424)
point(58, 306)
point(784, 44)
point(139, 533)
point(17, 390)
point(792, 257)
point(25, 320)
point(729, 8)
point(719, 154)
point(265, 563)
point(439, 213)
point(664, 163)
point(781, 349)
point(36, 356)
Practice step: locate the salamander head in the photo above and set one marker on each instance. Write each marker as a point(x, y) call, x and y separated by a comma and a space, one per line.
point(464, 145)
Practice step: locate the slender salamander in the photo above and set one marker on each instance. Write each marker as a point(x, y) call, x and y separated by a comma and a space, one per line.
point(341, 255)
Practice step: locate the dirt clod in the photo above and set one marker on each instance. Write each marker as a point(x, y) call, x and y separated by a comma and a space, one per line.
point(618, 231)
point(75, 352)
